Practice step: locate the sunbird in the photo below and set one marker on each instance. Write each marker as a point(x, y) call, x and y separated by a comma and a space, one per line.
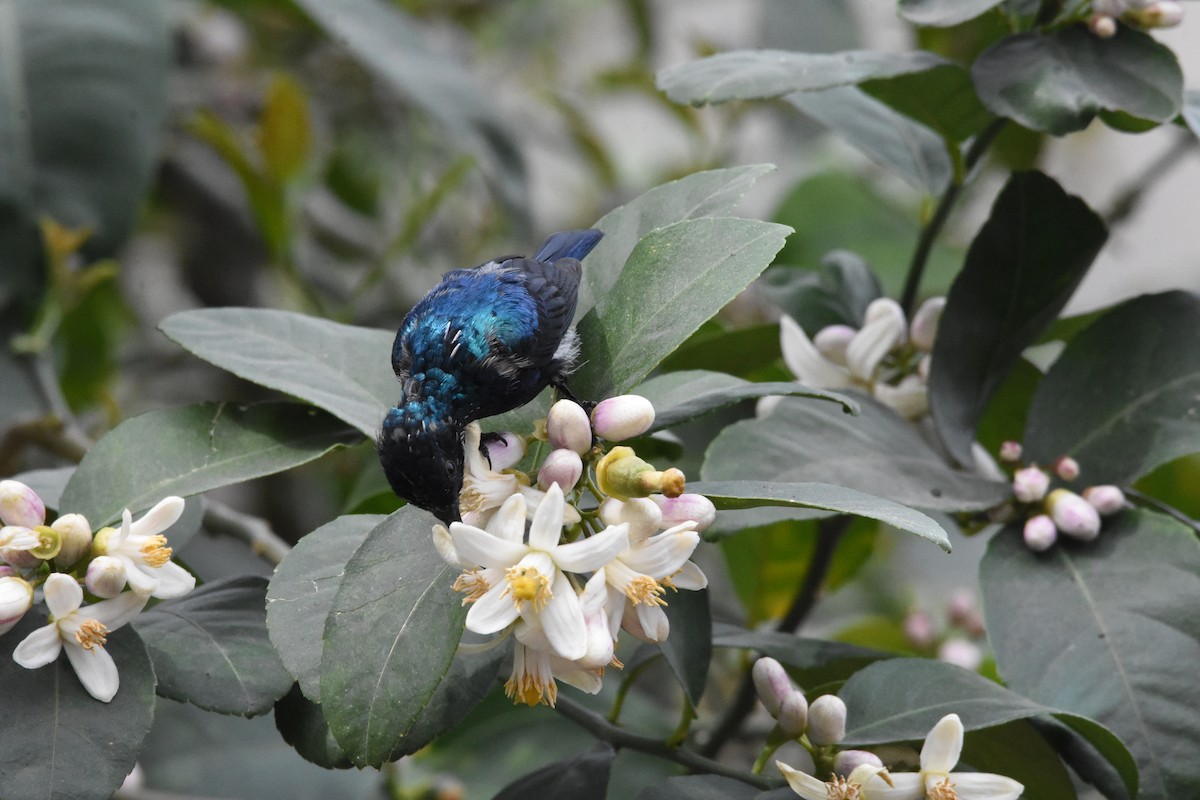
point(482, 342)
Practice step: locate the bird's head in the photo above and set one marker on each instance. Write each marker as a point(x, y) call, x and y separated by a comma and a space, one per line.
point(423, 462)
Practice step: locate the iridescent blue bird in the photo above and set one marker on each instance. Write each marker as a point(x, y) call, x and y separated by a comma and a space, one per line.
point(482, 342)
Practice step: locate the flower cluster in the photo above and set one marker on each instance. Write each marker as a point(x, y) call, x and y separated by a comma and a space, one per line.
point(960, 641)
point(564, 560)
point(54, 560)
point(888, 358)
point(1050, 511)
point(860, 774)
point(1143, 14)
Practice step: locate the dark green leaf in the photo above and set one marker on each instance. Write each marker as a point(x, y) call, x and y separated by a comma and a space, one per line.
point(699, 787)
point(301, 593)
point(1057, 83)
point(389, 638)
point(1147, 413)
point(942, 99)
point(944, 13)
point(676, 278)
point(795, 651)
point(210, 648)
point(186, 451)
point(1020, 272)
point(741, 351)
point(682, 396)
point(688, 649)
point(875, 452)
point(887, 137)
point(1117, 636)
point(1017, 750)
point(302, 725)
point(836, 294)
point(1191, 110)
point(714, 193)
point(343, 369)
point(759, 74)
point(583, 777)
point(59, 741)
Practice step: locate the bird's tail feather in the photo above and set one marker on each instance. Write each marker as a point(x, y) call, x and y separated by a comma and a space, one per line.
point(568, 244)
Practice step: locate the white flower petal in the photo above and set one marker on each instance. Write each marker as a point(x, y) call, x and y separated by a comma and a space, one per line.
point(985, 786)
point(96, 671)
point(17, 537)
point(806, 362)
point(655, 625)
point(943, 745)
point(63, 594)
point(509, 521)
point(802, 783)
point(882, 331)
point(164, 514)
point(562, 620)
point(115, 612)
point(492, 612)
point(905, 786)
point(690, 577)
point(585, 680)
point(909, 398)
point(39, 648)
point(593, 552)
point(662, 555)
point(139, 578)
point(480, 547)
point(546, 528)
point(173, 581)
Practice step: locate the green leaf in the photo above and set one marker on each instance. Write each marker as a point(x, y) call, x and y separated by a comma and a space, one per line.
point(388, 43)
point(1118, 637)
point(1191, 110)
point(1017, 750)
point(887, 137)
point(1020, 272)
point(942, 99)
point(751, 494)
point(679, 397)
point(688, 649)
point(1145, 415)
point(302, 725)
point(944, 13)
point(344, 369)
point(1057, 83)
point(688, 270)
point(210, 648)
point(302, 591)
point(582, 777)
point(284, 131)
point(59, 741)
point(714, 193)
point(875, 452)
point(699, 787)
point(389, 637)
point(47, 483)
point(759, 74)
point(796, 651)
point(837, 293)
point(877, 712)
point(189, 450)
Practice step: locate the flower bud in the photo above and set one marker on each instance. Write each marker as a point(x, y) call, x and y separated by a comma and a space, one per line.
point(6, 571)
point(619, 418)
point(504, 450)
point(21, 559)
point(1162, 14)
point(847, 761)
point(924, 327)
point(1030, 484)
point(1103, 26)
point(827, 720)
point(1107, 500)
point(772, 683)
point(20, 505)
point(1010, 452)
point(1066, 468)
point(1040, 533)
point(686, 507)
point(49, 543)
point(832, 341)
point(961, 653)
point(884, 328)
point(568, 427)
point(1073, 515)
point(623, 475)
point(918, 628)
point(563, 467)
point(76, 539)
point(964, 612)
point(16, 596)
point(105, 577)
point(642, 516)
point(793, 714)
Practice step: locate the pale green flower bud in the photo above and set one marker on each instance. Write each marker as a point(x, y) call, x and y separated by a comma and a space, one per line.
point(20, 505)
point(793, 714)
point(105, 577)
point(827, 720)
point(847, 761)
point(76, 539)
point(1073, 515)
point(1030, 484)
point(772, 683)
point(563, 467)
point(924, 327)
point(623, 475)
point(568, 427)
point(619, 418)
point(16, 597)
point(686, 507)
point(1040, 533)
point(1107, 500)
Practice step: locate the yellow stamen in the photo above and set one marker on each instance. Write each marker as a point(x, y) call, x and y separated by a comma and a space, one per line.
point(943, 791)
point(838, 788)
point(91, 633)
point(155, 551)
point(472, 584)
point(644, 589)
point(530, 690)
point(526, 583)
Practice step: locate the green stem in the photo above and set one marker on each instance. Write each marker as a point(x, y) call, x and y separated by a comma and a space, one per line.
point(1146, 500)
point(685, 724)
point(623, 689)
point(760, 763)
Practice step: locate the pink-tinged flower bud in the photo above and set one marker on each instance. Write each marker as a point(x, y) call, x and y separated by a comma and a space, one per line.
point(16, 596)
point(961, 653)
point(772, 683)
point(1030, 484)
point(562, 467)
point(505, 450)
point(7, 571)
point(847, 761)
point(619, 418)
point(918, 628)
point(1103, 26)
point(964, 612)
point(20, 505)
point(1040, 533)
point(76, 539)
point(827, 720)
point(1107, 500)
point(568, 427)
point(1066, 468)
point(1073, 515)
point(105, 577)
point(684, 508)
point(793, 714)
point(21, 559)
point(1010, 452)
point(832, 341)
point(1162, 14)
point(924, 327)
point(623, 475)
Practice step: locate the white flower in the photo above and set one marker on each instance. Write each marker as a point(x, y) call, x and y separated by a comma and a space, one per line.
point(535, 586)
point(82, 631)
point(142, 548)
point(484, 489)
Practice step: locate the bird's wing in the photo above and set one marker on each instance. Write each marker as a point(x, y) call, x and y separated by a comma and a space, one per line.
point(554, 287)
